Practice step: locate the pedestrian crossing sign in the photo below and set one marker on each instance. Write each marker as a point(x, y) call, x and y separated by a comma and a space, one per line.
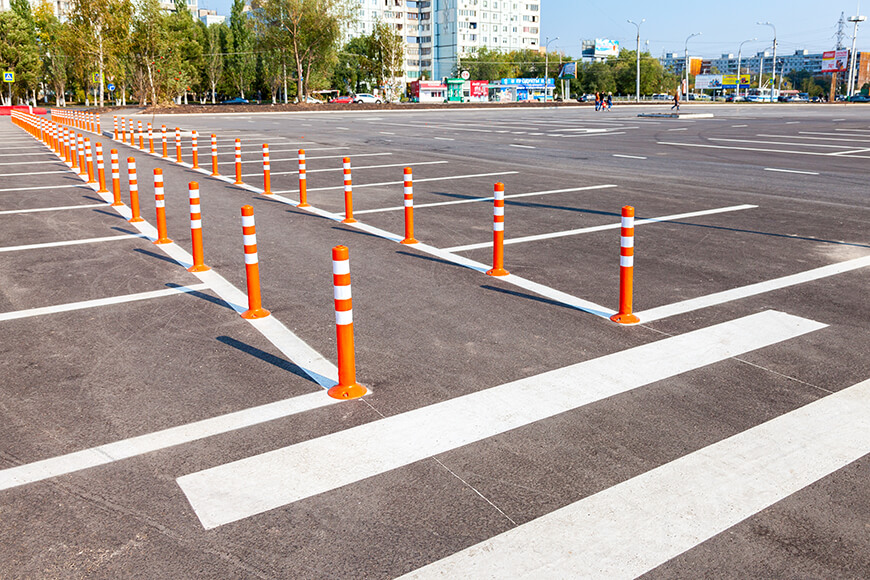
point(8, 77)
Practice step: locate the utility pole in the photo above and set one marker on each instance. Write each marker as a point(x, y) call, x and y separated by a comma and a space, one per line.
point(851, 84)
point(637, 78)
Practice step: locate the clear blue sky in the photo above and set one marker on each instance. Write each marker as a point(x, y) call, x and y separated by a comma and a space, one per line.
point(809, 24)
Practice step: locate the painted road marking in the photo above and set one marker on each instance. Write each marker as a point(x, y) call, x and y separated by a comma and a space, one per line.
point(753, 149)
point(111, 452)
point(386, 133)
point(521, 146)
point(591, 229)
point(815, 138)
point(237, 490)
point(680, 129)
point(40, 209)
point(45, 187)
point(735, 126)
point(628, 156)
point(790, 171)
point(33, 173)
point(307, 158)
point(100, 302)
point(443, 139)
point(449, 177)
point(355, 168)
point(693, 304)
point(793, 144)
point(32, 162)
point(851, 152)
point(792, 122)
point(71, 243)
point(482, 199)
point(635, 526)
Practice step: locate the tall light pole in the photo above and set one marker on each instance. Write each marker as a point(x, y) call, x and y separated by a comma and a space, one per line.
point(773, 72)
point(739, 52)
point(547, 64)
point(637, 80)
point(691, 36)
point(851, 85)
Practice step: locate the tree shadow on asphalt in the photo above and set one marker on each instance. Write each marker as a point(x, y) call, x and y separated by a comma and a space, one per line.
point(530, 297)
point(264, 356)
point(196, 293)
point(438, 260)
point(108, 213)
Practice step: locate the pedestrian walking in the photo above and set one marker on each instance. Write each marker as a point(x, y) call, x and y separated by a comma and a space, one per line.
point(597, 100)
point(609, 100)
point(676, 100)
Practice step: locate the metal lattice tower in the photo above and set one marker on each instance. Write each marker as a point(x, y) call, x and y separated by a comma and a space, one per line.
point(841, 31)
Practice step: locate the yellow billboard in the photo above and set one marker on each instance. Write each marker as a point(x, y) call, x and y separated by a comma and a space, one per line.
point(730, 81)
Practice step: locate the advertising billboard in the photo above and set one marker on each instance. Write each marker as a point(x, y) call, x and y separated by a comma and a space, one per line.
point(605, 47)
point(730, 81)
point(835, 60)
point(704, 82)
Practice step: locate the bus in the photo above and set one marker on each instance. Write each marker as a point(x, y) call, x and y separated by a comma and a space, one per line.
point(760, 96)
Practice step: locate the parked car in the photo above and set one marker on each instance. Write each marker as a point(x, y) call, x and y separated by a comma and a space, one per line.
point(236, 101)
point(366, 98)
point(735, 99)
point(859, 99)
point(343, 100)
point(310, 101)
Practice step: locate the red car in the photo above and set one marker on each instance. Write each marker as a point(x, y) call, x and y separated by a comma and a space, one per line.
point(346, 100)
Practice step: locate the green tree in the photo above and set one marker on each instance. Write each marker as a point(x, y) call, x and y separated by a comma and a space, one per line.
point(598, 77)
point(239, 66)
point(55, 61)
point(212, 58)
point(184, 59)
point(18, 53)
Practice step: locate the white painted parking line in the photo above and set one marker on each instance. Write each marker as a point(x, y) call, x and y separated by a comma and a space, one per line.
point(33, 173)
point(792, 122)
point(823, 133)
point(679, 129)
point(521, 146)
point(851, 152)
point(483, 199)
point(790, 171)
point(693, 304)
point(135, 446)
point(386, 133)
point(254, 485)
point(446, 178)
point(41, 209)
point(754, 149)
point(443, 139)
point(309, 158)
point(859, 131)
point(70, 243)
point(357, 168)
point(591, 229)
point(81, 185)
point(816, 138)
point(35, 162)
point(736, 126)
point(628, 156)
point(639, 524)
point(100, 302)
point(789, 143)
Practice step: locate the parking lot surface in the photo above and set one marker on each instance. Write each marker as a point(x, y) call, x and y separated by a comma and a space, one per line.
point(511, 429)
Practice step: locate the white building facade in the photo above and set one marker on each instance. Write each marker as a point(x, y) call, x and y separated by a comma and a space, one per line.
point(439, 33)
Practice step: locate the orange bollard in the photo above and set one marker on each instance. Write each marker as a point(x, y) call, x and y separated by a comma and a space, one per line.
point(141, 136)
point(83, 166)
point(498, 233)
point(115, 127)
point(267, 171)
point(348, 194)
point(160, 203)
point(214, 165)
point(252, 266)
point(134, 191)
point(68, 146)
point(101, 170)
point(196, 230)
point(238, 162)
point(132, 134)
point(194, 149)
point(116, 179)
point(303, 182)
point(74, 150)
point(123, 132)
point(99, 130)
point(347, 387)
point(409, 208)
point(150, 139)
point(626, 269)
point(163, 139)
point(89, 157)
point(178, 145)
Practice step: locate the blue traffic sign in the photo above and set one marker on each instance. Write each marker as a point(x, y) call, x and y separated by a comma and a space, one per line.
point(8, 77)
point(111, 87)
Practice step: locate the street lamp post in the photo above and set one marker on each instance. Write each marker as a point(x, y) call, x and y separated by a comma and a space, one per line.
point(691, 36)
point(547, 65)
point(851, 85)
point(773, 62)
point(739, 52)
point(637, 80)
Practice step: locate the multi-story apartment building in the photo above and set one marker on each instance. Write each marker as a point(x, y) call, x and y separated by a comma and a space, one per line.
point(438, 33)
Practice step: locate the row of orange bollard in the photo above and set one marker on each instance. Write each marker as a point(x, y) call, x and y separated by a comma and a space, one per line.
point(89, 122)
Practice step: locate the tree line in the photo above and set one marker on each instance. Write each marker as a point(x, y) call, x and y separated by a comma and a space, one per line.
point(276, 50)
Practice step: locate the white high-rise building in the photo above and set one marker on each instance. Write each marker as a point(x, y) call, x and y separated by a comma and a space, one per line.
point(438, 33)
